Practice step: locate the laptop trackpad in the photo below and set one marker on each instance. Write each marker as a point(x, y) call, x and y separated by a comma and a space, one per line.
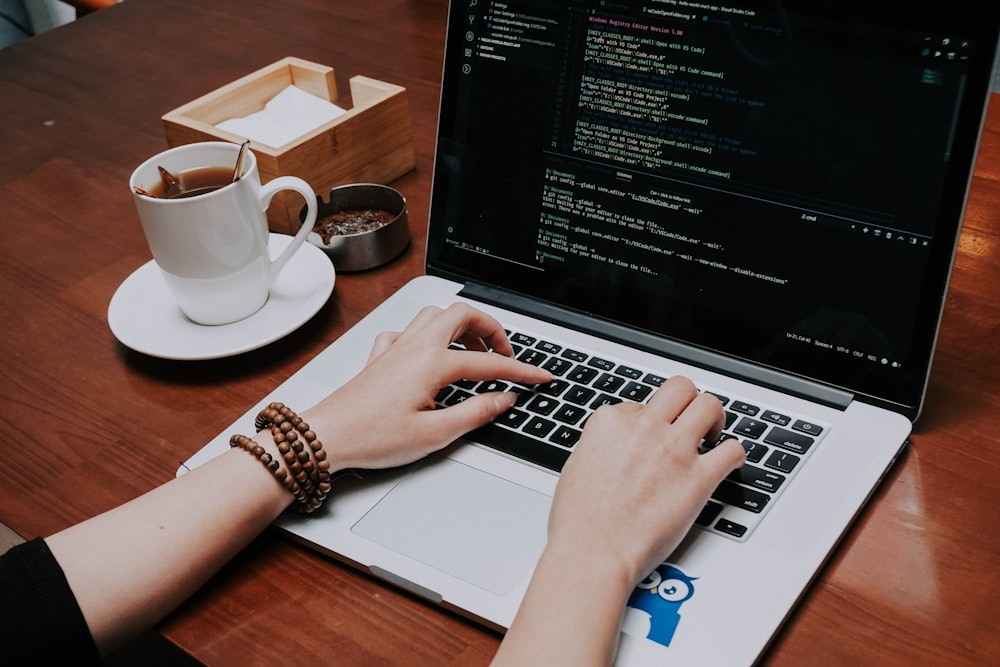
point(475, 526)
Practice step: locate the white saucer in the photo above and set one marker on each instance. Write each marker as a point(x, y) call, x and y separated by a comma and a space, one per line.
point(144, 316)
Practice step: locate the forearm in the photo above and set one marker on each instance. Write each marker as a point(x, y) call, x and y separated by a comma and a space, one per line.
point(571, 614)
point(131, 566)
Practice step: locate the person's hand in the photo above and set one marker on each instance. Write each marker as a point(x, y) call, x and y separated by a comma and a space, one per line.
point(635, 483)
point(385, 416)
point(628, 494)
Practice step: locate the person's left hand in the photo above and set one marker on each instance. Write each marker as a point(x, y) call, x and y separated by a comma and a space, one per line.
point(385, 416)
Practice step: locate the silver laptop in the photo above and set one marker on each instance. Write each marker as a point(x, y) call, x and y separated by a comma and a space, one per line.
point(763, 197)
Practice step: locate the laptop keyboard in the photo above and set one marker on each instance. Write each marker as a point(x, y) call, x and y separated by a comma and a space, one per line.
point(547, 421)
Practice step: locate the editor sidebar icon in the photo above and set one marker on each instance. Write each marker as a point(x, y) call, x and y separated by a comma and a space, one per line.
point(470, 37)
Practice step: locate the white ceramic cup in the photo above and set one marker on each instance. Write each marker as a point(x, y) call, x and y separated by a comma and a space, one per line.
point(212, 248)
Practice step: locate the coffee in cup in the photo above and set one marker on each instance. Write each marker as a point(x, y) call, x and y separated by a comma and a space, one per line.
point(191, 183)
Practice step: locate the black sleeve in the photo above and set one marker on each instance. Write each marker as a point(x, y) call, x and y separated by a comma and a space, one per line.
point(40, 620)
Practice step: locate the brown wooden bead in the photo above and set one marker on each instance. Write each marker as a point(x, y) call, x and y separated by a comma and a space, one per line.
point(307, 471)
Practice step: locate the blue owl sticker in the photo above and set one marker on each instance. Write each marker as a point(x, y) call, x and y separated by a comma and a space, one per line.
point(659, 598)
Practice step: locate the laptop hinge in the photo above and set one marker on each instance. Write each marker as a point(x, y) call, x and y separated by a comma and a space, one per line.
point(795, 386)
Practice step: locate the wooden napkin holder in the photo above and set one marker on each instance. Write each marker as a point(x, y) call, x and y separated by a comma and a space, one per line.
point(370, 143)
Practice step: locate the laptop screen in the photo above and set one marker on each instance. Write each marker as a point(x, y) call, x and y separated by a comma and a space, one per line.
point(782, 183)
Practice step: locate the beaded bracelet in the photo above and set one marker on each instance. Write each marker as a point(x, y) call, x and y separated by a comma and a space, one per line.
point(306, 474)
point(309, 468)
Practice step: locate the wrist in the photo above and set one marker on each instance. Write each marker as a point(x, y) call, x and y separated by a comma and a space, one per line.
point(322, 418)
point(572, 611)
point(601, 567)
point(300, 463)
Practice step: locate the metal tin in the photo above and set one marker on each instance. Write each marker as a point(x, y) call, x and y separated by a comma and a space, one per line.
point(367, 249)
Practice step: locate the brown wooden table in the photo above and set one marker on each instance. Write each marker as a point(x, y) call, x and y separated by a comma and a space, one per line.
point(89, 424)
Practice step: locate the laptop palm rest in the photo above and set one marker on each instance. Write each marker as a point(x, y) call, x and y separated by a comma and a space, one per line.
point(465, 522)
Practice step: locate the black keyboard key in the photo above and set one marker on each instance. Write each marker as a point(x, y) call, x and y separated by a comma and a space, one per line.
point(542, 405)
point(793, 442)
point(731, 528)
point(539, 427)
point(579, 395)
point(523, 395)
point(630, 373)
point(522, 339)
point(653, 379)
point(635, 391)
point(708, 513)
point(574, 355)
point(602, 364)
point(740, 496)
point(608, 382)
point(512, 418)
point(521, 446)
point(745, 408)
point(750, 428)
point(533, 357)
point(731, 418)
point(492, 385)
point(557, 365)
point(755, 451)
point(553, 388)
point(765, 480)
point(782, 461)
point(456, 397)
point(442, 395)
point(569, 414)
point(775, 417)
point(604, 399)
point(722, 437)
point(807, 427)
point(582, 375)
point(565, 436)
point(547, 347)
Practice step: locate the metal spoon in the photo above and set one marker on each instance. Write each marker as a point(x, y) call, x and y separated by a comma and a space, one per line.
point(238, 171)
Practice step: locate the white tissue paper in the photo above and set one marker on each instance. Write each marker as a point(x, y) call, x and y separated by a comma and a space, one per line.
point(287, 116)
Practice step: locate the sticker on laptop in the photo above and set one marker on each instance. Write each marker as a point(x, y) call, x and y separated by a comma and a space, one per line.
point(653, 609)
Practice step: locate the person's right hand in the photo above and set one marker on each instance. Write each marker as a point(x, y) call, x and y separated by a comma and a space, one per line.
point(635, 483)
point(628, 494)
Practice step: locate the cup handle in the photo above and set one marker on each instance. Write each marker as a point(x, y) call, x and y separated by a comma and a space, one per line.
point(267, 191)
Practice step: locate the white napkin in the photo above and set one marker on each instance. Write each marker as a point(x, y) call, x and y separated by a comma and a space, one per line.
point(287, 116)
